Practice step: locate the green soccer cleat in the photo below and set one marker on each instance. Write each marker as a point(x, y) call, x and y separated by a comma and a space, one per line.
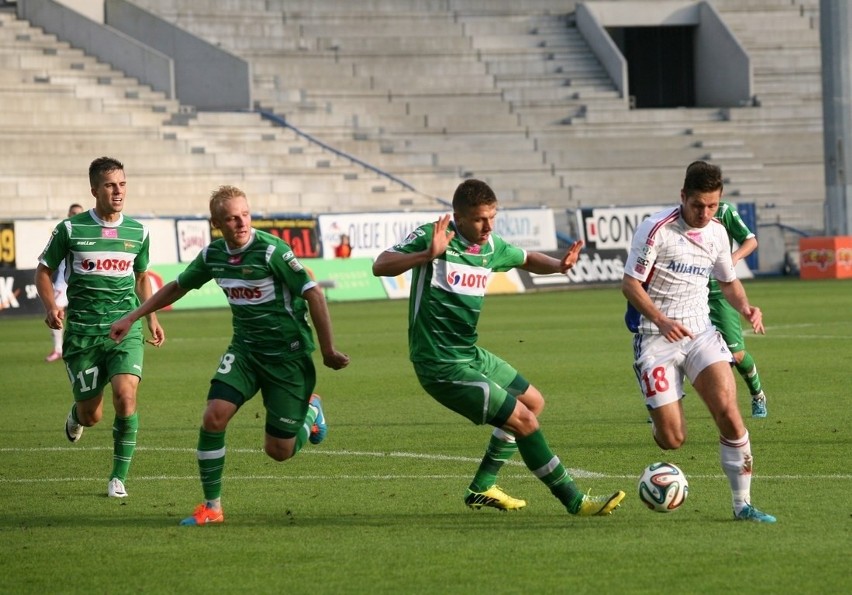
point(758, 405)
point(750, 513)
point(599, 505)
point(493, 497)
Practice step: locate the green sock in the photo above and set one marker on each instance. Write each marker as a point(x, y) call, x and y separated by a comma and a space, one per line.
point(500, 449)
point(305, 430)
point(549, 469)
point(211, 462)
point(748, 371)
point(124, 443)
point(74, 413)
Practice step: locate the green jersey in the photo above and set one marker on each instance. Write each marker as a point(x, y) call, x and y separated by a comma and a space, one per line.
point(263, 283)
point(737, 230)
point(447, 293)
point(101, 262)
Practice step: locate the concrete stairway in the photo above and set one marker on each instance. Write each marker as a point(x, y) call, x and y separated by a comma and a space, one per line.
point(62, 108)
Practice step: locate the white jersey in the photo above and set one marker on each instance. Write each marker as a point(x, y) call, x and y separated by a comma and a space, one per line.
point(674, 262)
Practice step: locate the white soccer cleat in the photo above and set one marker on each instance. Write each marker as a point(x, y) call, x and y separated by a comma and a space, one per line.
point(73, 430)
point(115, 488)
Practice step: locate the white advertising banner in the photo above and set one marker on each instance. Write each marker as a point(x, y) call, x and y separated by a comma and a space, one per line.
point(372, 233)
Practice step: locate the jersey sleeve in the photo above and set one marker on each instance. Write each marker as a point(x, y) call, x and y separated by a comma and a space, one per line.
point(286, 266)
point(643, 252)
point(734, 224)
point(417, 241)
point(507, 256)
point(197, 273)
point(142, 260)
point(57, 247)
point(723, 268)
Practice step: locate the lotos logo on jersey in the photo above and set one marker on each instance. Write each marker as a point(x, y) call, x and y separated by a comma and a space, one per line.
point(111, 266)
point(244, 292)
point(467, 279)
point(460, 278)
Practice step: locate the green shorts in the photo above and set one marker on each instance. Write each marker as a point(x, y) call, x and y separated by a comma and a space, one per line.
point(482, 390)
point(91, 362)
point(728, 322)
point(285, 385)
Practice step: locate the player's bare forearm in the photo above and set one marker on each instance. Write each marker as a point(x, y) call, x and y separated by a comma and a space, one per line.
point(168, 294)
point(747, 247)
point(735, 293)
point(391, 264)
point(44, 287)
point(321, 320)
point(672, 330)
point(542, 264)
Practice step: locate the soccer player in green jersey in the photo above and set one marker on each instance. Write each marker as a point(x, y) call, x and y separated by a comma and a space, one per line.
point(451, 261)
point(106, 258)
point(270, 295)
point(726, 319)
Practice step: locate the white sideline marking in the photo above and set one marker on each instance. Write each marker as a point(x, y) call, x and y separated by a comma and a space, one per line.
point(577, 473)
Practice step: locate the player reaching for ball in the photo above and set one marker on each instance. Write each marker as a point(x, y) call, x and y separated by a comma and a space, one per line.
point(672, 256)
point(451, 261)
point(270, 295)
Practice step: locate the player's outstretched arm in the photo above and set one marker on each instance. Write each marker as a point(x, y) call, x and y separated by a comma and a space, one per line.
point(321, 320)
point(168, 294)
point(391, 264)
point(542, 264)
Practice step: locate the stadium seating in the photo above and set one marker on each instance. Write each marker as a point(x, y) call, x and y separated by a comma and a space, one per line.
point(430, 91)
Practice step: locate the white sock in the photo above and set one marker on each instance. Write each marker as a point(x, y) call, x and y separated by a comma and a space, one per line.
point(503, 435)
point(57, 339)
point(735, 456)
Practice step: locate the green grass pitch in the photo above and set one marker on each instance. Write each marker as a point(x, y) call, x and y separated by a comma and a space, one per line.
point(377, 508)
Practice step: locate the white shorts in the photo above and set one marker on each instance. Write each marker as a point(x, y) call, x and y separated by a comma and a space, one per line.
point(660, 366)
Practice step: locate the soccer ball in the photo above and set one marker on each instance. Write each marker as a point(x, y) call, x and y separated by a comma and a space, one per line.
point(663, 487)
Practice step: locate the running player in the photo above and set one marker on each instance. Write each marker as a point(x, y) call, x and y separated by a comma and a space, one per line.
point(270, 294)
point(672, 256)
point(106, 255)
point(726, 319)
point(451, 262)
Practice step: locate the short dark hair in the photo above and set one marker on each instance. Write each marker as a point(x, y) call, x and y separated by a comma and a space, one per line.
point(473, 193)
point(101, 166)
point(702, 177)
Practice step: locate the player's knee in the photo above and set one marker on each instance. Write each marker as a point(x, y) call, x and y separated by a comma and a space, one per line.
point(523, 421)
point(278, 452)
point(533, 400)
point(670, 440)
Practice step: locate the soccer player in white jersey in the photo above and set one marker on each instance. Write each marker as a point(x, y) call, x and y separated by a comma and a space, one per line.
point(106, 255)
point(270, 294)
point(60, 296)
point(451, 261)
point(672, 256)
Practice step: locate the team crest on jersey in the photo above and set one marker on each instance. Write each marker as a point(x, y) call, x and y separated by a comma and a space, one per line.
point(109, 232)
point(235, 259)
point(695, 236)
point(293, 262)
